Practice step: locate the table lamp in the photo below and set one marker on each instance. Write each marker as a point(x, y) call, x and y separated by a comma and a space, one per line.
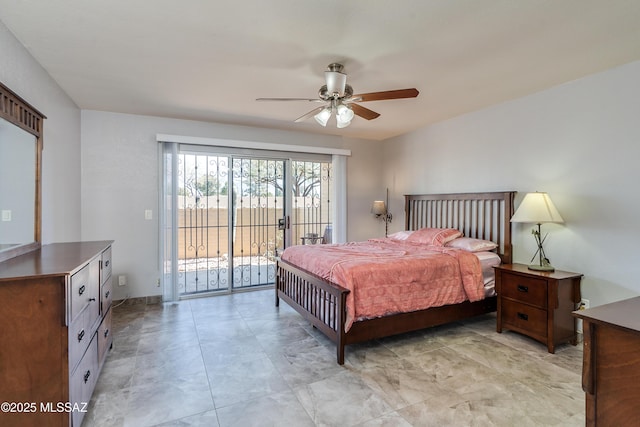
point(538, 208)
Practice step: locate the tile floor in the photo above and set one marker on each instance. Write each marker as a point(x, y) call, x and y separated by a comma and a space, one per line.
point(237, 360)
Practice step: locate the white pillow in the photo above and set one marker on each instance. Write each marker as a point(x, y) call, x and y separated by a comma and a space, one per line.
point(471, 244)
point(401, 235)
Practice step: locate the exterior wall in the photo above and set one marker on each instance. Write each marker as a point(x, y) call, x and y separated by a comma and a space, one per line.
point(214, 235)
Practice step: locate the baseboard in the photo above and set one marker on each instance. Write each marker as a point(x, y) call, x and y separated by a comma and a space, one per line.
point(154, 299)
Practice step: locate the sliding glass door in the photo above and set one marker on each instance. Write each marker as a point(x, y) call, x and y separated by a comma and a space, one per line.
point(227, 216)
point(258, 201)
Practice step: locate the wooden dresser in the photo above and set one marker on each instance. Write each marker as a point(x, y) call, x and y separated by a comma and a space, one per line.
point(611, 363)
point(55, 330)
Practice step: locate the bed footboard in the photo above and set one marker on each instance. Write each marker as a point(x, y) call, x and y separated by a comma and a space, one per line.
point(320, 302)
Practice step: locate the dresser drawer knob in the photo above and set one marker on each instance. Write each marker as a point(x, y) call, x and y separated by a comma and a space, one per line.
point(522, 288)
point(106, 333)
point(86, 376)
point(106, 294)
point(523, 316)
point(81, 335)
point(91, 299)
point(106, 264)
point(81, 290)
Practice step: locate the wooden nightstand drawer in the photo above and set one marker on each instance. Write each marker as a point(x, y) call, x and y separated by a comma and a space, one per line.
point(524, 317)
point(528, 290)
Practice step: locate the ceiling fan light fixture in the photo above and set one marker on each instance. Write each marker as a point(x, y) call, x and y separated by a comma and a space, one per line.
point(344, 113)
point(342, 124)
point(339, 99)
point(323, 116)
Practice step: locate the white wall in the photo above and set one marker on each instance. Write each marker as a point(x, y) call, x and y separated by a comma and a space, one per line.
point(120, 182)
point(365, 184)
point(580, 142)
point(61, 157)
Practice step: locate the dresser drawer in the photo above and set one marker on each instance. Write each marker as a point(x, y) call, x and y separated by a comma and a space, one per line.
point(527, 290)
point(80, 334)
point(105, 337)
point(106, 265)
point(83, 380)
point(85, 290)
point(106, 295)
point(524, 317)
point(80, 288)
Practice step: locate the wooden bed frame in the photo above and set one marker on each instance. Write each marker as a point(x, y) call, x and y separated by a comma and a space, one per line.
point(323, 303)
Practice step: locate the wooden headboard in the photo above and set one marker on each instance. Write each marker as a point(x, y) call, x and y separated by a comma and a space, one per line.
point(479, 215)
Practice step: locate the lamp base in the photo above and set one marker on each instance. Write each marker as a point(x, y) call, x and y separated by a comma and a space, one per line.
point(538, 267)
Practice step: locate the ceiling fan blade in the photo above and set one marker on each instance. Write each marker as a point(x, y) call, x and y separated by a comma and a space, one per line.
point(390, 94)
point(309, 114)
point(365, 113)
point(291, 99)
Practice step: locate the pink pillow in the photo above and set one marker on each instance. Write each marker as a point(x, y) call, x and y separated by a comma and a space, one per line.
point(434, 236)
point(471, 244)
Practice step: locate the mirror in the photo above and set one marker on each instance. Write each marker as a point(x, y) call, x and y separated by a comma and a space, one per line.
point(20, 175)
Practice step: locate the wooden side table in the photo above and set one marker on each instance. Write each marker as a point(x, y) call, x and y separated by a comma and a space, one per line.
point(537, 303)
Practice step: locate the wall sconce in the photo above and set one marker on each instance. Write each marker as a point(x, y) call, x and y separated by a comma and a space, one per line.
point(379, 209)
point(538, 208)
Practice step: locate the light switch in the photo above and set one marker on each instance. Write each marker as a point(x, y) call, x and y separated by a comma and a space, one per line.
point(148, 214)
point(6, 215)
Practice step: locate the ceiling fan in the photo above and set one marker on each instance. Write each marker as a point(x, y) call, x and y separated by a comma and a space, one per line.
point(339, 99)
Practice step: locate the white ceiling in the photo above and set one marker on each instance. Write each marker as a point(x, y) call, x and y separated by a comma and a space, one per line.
point(209, 59)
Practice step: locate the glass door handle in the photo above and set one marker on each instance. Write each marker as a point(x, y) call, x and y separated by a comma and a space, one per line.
point(283, 223)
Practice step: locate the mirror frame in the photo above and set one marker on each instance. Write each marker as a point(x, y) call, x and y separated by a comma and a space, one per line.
point(20, 113)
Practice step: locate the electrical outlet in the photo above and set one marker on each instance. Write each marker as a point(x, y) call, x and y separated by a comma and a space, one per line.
point(6, 215)
point(584, 304)
point(122, 280)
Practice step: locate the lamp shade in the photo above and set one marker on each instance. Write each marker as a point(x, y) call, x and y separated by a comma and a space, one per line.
point(537, 208)
point(344, 113)
point(323, 116)
point(341, 124)
point(378, 208)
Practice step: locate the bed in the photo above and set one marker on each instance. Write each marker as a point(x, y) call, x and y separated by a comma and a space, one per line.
point(323, 302)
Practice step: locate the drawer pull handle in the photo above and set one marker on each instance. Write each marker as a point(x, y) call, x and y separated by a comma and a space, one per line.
point(106, 294)
point(86, 376)
point(106, 264)
point(91, 299)
point(81, 335)
point(523, 288)
point(523, 316)
point(81, 290)
point(106, 333)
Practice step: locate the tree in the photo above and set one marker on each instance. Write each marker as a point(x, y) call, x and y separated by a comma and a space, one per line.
point(252, 177)
point(259, 177)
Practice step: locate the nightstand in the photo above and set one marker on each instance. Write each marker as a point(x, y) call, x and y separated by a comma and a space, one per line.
point(538, 303)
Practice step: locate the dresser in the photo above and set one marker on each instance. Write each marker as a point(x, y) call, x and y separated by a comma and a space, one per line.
point(611, 363)
point(55, 331)
point(537, 303)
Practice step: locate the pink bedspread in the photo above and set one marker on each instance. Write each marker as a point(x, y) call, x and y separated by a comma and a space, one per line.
point(388, 276)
